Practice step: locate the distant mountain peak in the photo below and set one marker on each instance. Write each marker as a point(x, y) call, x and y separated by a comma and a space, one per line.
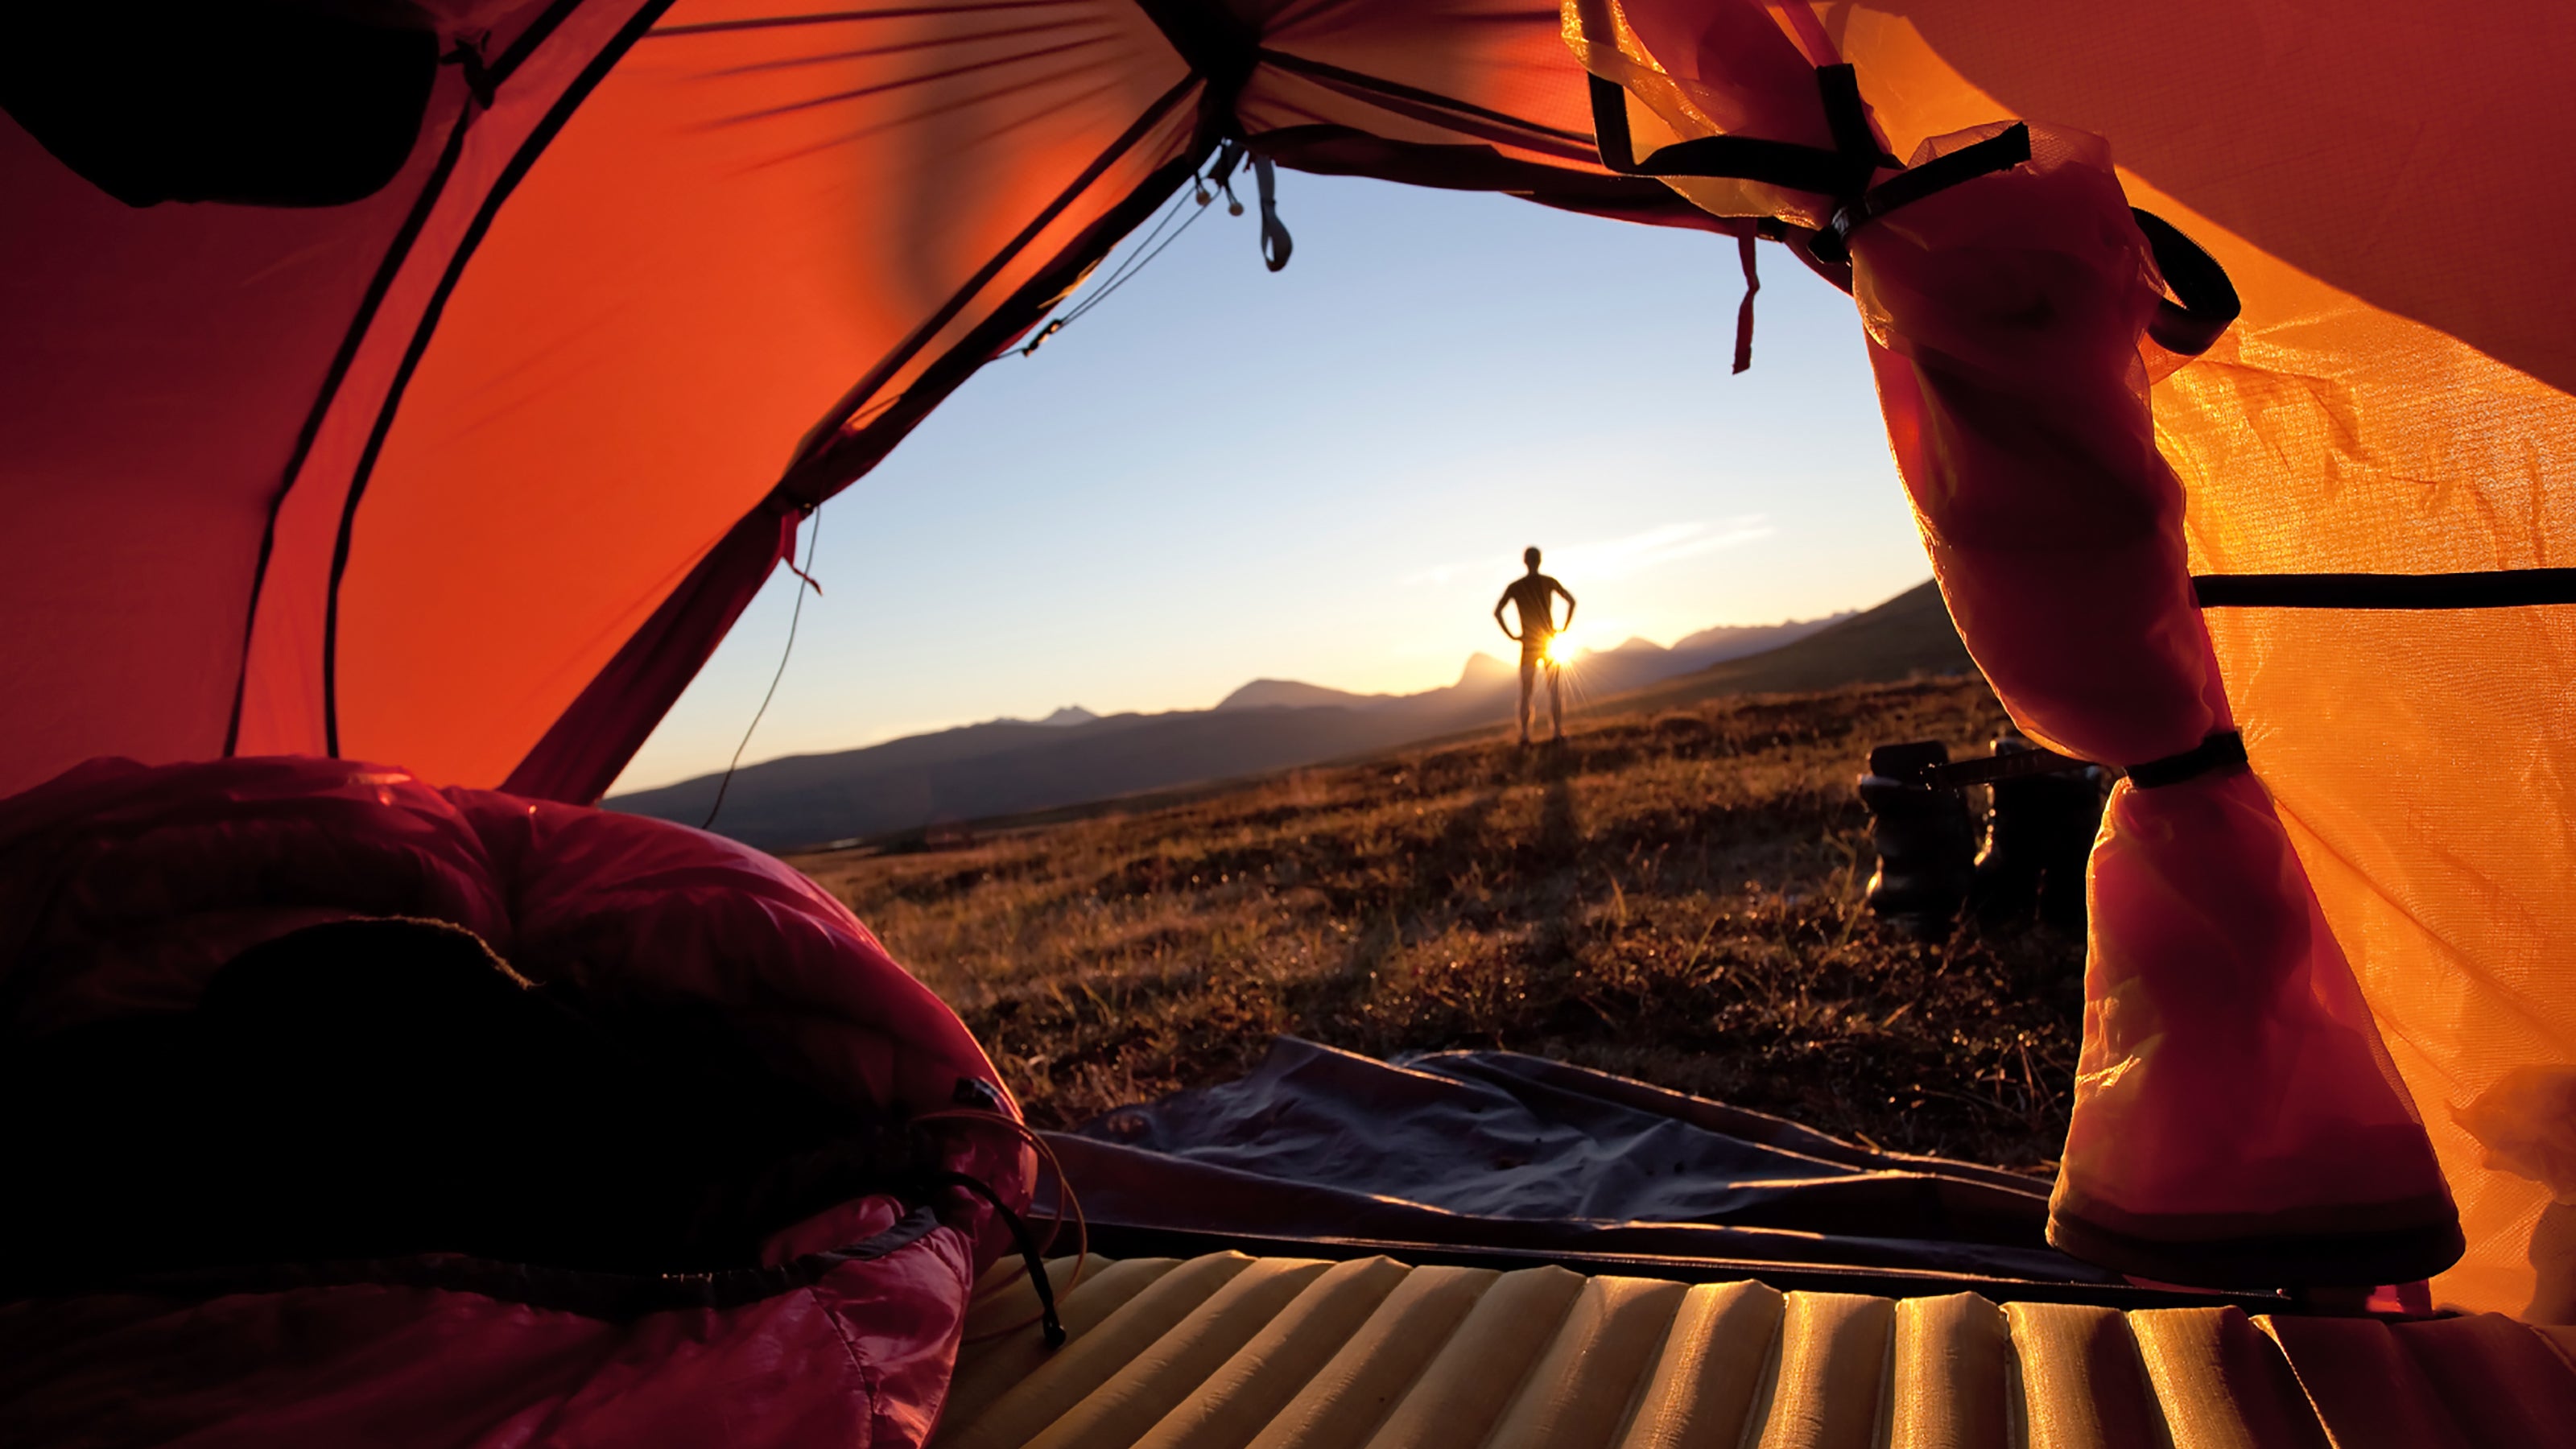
point(1011, 768)
point(1292, 694)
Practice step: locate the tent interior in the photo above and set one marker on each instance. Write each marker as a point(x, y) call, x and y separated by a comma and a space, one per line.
point(433, 382)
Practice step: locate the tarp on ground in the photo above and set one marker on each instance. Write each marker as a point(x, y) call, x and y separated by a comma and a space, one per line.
point(1494, 1149)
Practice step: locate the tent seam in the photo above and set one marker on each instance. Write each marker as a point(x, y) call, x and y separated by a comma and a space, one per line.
point(521, 162)
point(378, 288)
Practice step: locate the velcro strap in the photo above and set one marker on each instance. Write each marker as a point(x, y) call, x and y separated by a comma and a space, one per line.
point(2221, 751)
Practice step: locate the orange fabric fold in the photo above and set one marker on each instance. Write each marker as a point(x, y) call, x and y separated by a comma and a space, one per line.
point(2237, 1120)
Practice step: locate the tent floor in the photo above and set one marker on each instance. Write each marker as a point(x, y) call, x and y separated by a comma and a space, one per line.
point(1224, 1351)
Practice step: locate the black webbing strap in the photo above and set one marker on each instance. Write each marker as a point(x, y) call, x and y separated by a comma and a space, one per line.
point(1741, 158)
point(1999, 152)
point(2204, 301)
point(2208, 299)
point(1048, 1323)
point(2221, 751)
point(2498, 589)
point(1842, 172)
point(1839, 85)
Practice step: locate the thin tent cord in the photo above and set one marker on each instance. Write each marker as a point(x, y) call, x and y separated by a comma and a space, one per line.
point(1140, 261)
point(1127, 269)
point(1136, 261)
point(1154, 233)
point(1118, 277)
point(805, 577)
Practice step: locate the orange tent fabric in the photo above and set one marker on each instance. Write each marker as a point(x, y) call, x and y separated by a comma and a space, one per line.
point(2327, 434)
point(2389, 402)
point(2006, 320)
point(475, 472)
point(2007, 301)
point(472, 472)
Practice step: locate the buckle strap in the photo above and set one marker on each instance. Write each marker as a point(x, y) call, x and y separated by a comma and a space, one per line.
point(2204, 301)
point(1842, 172)
point(1999, 152)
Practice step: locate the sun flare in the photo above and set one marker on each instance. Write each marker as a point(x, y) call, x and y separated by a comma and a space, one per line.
point(1560, 650)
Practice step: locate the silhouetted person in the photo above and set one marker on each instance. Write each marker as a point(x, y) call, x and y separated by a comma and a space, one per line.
point(1535, 594)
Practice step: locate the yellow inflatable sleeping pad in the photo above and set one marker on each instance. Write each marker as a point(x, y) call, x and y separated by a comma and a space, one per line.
point(1233, 1352)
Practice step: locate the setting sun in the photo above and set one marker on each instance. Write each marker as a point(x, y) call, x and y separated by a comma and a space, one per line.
point(1561, 650)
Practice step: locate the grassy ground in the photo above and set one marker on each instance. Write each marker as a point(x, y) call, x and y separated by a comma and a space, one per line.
point(1674, 896)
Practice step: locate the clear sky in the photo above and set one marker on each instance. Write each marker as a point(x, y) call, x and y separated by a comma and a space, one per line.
point(1328, 474)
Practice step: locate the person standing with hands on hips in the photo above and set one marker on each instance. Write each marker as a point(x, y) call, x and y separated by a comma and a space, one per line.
point(1535, 594)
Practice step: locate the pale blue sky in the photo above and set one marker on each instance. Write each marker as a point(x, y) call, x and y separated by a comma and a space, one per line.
point(1328, 474)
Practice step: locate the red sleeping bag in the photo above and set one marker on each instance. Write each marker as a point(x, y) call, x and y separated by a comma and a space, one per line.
point(667, 1150)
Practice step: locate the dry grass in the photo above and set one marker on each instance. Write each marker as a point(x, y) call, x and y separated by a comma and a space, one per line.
point(1676, 897)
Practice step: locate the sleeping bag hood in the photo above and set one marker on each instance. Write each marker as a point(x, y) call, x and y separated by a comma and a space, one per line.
point(348, 1110)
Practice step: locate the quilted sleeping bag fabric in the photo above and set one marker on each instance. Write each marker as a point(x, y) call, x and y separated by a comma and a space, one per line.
point(126, 890)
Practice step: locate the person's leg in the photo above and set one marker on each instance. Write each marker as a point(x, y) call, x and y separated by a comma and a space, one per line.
point(1529, 677)
point(1556, 700)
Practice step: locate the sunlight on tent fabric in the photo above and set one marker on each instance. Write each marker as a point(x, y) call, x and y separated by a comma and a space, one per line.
point(2415, 756)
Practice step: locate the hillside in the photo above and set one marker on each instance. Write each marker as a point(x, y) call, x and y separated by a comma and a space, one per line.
point(1013, 767)
point(1675, 894)
point(1907, 637)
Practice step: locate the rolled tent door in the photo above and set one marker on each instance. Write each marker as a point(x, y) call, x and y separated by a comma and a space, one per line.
point(2389, 402)
point(2237, 1118)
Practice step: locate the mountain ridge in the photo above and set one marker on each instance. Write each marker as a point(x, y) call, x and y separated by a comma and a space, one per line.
point(1008, 767)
